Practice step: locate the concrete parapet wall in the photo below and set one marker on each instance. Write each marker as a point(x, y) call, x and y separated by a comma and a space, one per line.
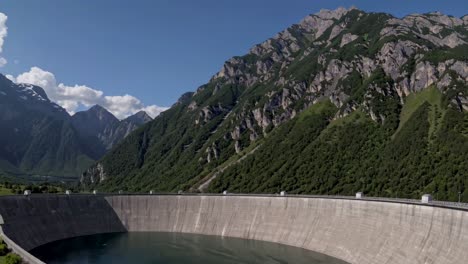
point(357, 231)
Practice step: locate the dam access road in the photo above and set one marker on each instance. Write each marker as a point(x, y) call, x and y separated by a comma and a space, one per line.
point(361, 231)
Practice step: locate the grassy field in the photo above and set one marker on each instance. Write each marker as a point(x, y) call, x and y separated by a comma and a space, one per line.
point(431, 95)
point(4, 191)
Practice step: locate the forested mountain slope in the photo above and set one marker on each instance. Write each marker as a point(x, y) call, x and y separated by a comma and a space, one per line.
point(343, 101)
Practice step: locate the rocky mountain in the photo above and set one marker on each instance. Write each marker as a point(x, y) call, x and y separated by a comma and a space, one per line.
point(38, 137)
point(100, 126)
point(138, 119)
point(343, 101)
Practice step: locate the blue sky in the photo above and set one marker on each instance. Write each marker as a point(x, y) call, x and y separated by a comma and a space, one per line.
point(155, 50)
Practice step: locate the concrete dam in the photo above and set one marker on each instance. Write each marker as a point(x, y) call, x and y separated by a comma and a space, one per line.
point(356, 231)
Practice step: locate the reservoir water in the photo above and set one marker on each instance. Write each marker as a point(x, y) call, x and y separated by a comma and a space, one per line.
point(173, 248)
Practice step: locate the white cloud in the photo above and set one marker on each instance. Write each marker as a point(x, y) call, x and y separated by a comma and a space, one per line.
point(41, 78)
point(3, 34)
point(3, 30)
point(122, 104)
point(72, 97)
point(153, 110)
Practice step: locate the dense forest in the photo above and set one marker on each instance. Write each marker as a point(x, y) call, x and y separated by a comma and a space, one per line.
point(427, 154)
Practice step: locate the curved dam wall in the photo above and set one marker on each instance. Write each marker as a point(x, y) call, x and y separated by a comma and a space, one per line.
point(356, 231)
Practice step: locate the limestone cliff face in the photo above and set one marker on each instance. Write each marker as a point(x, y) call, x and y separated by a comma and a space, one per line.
point(405, 59)
point(93, 175)
point(354, 59)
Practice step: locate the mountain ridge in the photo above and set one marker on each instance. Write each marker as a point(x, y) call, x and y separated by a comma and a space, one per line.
point(98, 124)
point(35, 132)
point(39, 137)
point(364, 64)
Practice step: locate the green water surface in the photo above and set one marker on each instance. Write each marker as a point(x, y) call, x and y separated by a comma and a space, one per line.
point(173, 248)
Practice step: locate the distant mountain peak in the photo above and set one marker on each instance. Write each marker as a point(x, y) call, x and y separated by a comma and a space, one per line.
point(335, 13)
point(141, 117)
point(141, 113)
point(100, 113)
point(98, 108)
point(34, 91)
point(30, 97)
point(98, 121)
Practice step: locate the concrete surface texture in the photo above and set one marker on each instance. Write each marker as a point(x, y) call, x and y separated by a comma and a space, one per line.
point(356, 231)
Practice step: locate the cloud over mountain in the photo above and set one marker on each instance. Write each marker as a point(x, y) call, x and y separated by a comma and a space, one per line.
point(71, 97)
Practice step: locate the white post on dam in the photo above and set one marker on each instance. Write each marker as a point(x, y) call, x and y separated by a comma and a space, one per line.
point(426, 198)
